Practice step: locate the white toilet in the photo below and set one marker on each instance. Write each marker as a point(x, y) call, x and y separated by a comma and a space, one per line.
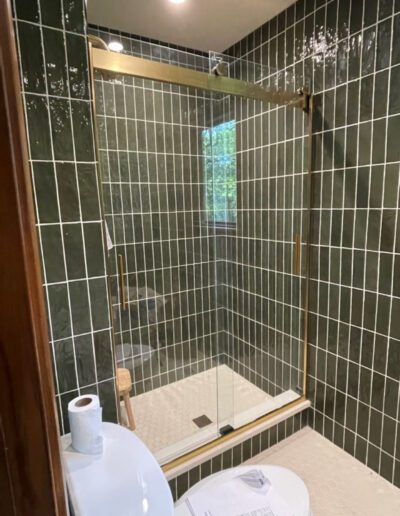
point(126, 480)
point(287, 484)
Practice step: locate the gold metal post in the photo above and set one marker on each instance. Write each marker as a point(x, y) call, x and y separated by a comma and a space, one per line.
point(310, 156)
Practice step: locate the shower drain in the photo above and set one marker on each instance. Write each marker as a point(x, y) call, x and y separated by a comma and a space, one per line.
point(202, 421)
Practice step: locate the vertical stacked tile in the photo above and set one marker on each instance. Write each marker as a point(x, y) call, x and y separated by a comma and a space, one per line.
point(349, 53)
point(51, 39)
point(259, 298)
point(152, 182)
point(264, 308)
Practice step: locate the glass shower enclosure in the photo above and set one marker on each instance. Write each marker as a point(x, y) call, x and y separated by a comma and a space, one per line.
point(205, 186)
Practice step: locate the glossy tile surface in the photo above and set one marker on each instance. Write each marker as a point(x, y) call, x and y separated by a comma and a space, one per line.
point(348, 51)
point(51, 38)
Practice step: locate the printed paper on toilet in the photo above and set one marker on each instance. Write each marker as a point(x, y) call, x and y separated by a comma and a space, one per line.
point(250, 494)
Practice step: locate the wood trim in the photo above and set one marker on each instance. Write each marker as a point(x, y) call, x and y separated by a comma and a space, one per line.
point(31, 479)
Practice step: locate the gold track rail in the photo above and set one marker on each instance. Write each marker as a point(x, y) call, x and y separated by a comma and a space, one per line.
point(213, 444)
point(153, 70)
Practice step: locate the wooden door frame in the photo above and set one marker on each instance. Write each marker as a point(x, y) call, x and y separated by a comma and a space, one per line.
point(31, 478)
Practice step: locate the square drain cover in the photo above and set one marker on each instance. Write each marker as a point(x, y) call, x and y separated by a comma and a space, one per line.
point(202, 421)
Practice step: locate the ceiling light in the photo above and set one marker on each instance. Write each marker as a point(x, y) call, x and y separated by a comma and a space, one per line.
point(115, 46)
point(177, 1)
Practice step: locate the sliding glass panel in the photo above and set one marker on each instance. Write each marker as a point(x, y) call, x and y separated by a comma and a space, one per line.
point(261, 206)
point(220, 200)
point(206, 204)
point(152, 139)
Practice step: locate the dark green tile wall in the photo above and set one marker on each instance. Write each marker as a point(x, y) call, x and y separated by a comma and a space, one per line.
point(51, 40)
point(348, 51)
point(259, 299)
point(151, 164)
point(263, 294)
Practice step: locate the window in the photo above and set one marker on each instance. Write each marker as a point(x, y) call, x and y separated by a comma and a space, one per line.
point(219, 151)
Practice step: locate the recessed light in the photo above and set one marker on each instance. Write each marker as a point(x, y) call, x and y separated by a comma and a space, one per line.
point(177, 1)
point(115, 46)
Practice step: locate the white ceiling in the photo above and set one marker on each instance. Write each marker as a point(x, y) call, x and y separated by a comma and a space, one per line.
point(200, 24)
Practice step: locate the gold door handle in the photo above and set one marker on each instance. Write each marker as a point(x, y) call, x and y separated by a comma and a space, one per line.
point(297, 255)
point(121, 273)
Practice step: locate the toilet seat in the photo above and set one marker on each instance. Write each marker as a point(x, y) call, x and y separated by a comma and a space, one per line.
point(289, 485)
point(125, 480)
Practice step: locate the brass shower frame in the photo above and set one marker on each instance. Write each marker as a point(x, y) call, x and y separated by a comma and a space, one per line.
point(117, 63)
point(125, 64)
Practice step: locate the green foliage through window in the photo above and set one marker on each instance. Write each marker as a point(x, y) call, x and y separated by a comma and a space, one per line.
point(219, 153)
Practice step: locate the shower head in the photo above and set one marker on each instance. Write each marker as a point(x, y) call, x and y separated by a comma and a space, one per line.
point(220, 69)
point(97, 42)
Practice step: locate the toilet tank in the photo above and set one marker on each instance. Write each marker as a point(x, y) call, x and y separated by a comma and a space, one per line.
point(125, 480)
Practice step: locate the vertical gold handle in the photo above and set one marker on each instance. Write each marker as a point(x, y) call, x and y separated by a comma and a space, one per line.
point(297, 254)
point(121, 273)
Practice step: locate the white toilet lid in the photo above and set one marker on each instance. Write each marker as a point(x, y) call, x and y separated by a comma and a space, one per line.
point(289, 486)
point(125, 480)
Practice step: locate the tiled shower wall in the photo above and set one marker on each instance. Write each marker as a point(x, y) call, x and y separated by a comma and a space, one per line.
point(349, 53)
point(54, 75)
point(264, 316)
point(153, 187)
point(259, 296)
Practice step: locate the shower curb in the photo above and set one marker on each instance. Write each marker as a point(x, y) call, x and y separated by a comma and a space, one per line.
point(209, 454)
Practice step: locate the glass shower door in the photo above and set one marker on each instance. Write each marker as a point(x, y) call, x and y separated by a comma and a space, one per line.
point(162, 269)
point(272, 229)
point(206, 204)
point(262, 241)
point(220, 195)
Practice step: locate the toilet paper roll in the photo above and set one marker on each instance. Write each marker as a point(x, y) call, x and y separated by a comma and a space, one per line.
point(85, 421)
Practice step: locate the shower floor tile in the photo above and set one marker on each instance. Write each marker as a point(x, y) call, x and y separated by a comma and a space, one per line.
point(164, 417)
point(339, 485)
